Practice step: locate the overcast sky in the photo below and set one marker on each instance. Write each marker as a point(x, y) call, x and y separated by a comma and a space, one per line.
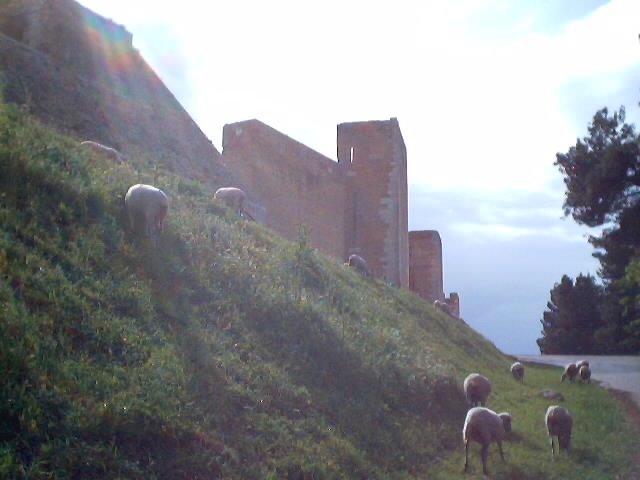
point(486, 93)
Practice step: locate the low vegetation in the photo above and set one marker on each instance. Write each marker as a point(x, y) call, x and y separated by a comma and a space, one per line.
point(223, 351)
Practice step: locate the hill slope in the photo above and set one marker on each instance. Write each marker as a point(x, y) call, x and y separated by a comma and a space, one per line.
point(221, 351)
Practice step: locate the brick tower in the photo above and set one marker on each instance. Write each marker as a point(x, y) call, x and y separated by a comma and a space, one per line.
point(374, 157)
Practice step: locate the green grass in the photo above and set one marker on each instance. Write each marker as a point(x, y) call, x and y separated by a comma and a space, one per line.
point(223, 351)
point(602, 442)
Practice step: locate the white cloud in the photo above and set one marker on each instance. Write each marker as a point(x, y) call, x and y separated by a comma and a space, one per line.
point(475, 113)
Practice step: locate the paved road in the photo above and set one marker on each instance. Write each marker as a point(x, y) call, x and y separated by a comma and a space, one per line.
point(619, 372)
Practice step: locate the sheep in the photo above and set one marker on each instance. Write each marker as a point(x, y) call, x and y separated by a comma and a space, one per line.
point(359, 264)
point(559, 424)
point(517, 370)
point(570, 372)
point(109, 152)
point(233, 197)
point(146, 204)
point(484, 426)
point(580, 363)
point(477, 389)
point(585, 374)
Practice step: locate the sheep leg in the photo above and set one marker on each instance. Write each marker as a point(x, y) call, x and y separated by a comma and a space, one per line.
point(466, 455)
point(500, 448)
point(159, 222)
point(151, 227)
point(484, 453)
point(552, 449)
point(160, 219)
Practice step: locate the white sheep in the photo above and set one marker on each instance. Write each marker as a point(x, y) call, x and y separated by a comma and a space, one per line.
point(570, 372)
point(233, 197)
point(559, 424)
point(580, 363)
point(484, 426)
point(517, 370)
point(359, 264)
point(147, 205)
point(585, 373)
point(477, 389)
point(109, 152)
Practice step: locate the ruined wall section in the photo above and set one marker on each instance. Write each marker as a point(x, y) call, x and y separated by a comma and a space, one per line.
point(425, 259)
point(426, 269)
point(373, 155)
point(453, 303)
point(79, 73)
point(293, 184)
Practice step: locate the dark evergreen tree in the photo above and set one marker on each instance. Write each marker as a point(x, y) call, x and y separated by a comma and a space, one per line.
point(572, 318)
point(602, 176)
point(602, 171)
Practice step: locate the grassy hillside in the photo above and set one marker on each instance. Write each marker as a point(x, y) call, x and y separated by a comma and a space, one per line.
point(222, 351)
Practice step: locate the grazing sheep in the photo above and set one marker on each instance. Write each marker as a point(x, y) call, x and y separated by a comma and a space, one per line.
point(146, 204)
point(559, 424)
point(233, 197)
point(477, 389)
point(580, 363)
point(517, 370)
point(484, 426)
point(109, 152)
point(585, 374)
point(570, 372)
point(359, 264)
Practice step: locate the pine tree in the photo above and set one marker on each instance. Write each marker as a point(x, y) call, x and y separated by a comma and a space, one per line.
point(572, 318)
point(602, 176)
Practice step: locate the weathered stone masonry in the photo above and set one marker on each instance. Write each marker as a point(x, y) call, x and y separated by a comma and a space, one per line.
point(375, 159)
point(426, 269)
point(79, 73)
point(355, 205)
point(290, 184)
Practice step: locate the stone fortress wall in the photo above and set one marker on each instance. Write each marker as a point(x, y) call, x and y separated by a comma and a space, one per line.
point(355, 205)
point(79, 73)
point(293, 184)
